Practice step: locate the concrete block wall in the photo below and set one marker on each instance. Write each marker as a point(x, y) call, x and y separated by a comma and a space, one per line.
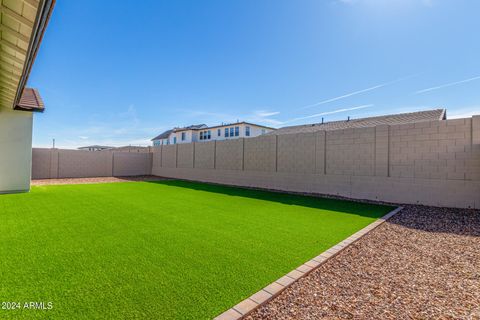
point(131, 164)
point(58, 163)
point(432, 163)
point(433, 150)
point(473, 162)
point(260, 154)
point(205, 155)
point(229, 154)
point(351, 152)
point(80, 164)
point(42, 164)
point(296, 153)
point(382, 147)
point(321, 152)
point(169, 156)
point(185, 155)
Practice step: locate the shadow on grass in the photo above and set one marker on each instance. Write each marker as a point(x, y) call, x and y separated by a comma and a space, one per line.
point(346, 206)
point(423, 218)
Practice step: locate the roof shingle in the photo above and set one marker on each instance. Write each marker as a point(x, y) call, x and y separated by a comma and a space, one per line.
point(30, 101)
point(401, 118)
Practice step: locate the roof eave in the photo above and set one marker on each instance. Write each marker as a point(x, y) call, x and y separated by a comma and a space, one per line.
point(41, 21)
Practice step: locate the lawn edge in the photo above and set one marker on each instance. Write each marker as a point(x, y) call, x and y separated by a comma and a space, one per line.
point(260, 298)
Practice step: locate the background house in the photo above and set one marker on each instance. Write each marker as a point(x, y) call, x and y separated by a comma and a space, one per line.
point(201, 132)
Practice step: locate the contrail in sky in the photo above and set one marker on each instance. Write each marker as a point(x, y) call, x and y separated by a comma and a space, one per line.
point(447, 85)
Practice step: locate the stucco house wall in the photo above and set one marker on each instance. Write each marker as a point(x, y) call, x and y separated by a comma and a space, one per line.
point(16, 150)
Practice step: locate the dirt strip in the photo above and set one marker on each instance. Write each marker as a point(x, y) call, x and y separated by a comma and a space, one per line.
point(42, 182)
point(424, 263)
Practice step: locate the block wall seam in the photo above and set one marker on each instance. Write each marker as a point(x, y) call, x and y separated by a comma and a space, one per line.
point(325, 152)
point(176, 156)
point(58, 164)
point(214, 154)
point(243, 154)
point(315, 155)
point(194, 154)
point(50, 164)
point(276, 153)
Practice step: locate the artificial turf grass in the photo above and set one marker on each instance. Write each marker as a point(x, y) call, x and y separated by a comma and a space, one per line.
point(158, 250)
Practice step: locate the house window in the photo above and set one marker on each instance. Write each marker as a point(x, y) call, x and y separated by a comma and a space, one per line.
point(237, 131)
point(205, 135)
point(231, 132)
point(263, 131)
point(247, 131)
point(226, 132)
point(174, 140)
point(183, 136)
point(219, 132)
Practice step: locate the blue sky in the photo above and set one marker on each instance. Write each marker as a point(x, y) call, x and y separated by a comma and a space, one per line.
point(120, 72)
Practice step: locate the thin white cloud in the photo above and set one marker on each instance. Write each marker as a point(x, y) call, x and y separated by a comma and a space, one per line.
point(265, 114)
point(347, 95)
point(447, 85)
point(327, 113)
point(427, 3)
point(344, 96)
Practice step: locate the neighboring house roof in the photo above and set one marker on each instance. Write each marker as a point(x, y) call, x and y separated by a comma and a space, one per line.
point(96, 147)
point(192, 127)
point(166, 134)
point(401, 118)
point(163, 135)
point(242, 122)
point(131, 148)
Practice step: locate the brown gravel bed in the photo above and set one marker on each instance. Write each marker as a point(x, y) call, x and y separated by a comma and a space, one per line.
point(424, 263)
point(42, 182)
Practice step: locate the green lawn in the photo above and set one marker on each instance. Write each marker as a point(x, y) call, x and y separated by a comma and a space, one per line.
point(158, 250)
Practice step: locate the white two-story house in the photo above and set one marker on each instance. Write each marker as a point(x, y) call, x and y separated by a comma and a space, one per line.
point(200, 133)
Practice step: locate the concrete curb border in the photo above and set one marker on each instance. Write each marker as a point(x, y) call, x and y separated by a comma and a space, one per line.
point(258, 299)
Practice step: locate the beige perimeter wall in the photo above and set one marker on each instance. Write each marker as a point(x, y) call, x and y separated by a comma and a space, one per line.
point(432, 163)
point(58, 163)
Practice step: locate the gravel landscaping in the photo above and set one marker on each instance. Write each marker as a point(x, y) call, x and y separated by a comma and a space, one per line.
point(42, 182)
point(422, 264)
